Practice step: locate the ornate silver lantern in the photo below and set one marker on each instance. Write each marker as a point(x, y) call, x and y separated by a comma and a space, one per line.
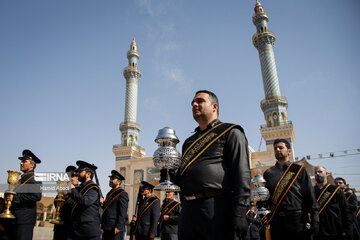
point(260, 194)
point(167, 157)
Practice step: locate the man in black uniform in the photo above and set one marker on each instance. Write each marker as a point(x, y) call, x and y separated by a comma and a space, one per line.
point(85, 208)
point(352, 203)
point(147, 218)
point(214, 177)
point(169, 216)
point(292, 197)
point(254, 222)
point(115, 209)
point(24, 202)
point(65, 232)
point(334, 214)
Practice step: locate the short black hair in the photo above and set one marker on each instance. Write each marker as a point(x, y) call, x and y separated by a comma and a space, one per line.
point(281, 140)
point(212, 96)
point(340, 179)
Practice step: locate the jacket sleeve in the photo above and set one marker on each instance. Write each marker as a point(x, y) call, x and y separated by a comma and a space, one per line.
point(155, 215)
point(345, 213)
point(122, 208)
point(237, 155)
point(89, 198)
point(174, 217)
point(29, 197)
point(352, 202)
point(309, 196)
point(26, 198)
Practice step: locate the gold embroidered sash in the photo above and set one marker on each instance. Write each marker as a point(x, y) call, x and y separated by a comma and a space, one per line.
point(83, 192)
point(112, 196)
point(24, 179)
point(348, 197)
point(165, 210)
point(202, 143)
point(145, 206)
point(283, 186)
point(325, 196)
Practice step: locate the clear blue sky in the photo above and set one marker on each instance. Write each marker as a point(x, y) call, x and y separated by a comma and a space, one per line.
point(62, 90)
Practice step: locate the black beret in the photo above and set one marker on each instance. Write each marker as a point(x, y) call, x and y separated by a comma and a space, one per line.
point(70, 168)
point(27, 154)
point(82, 165)
point(117, 175)
point(146, 185)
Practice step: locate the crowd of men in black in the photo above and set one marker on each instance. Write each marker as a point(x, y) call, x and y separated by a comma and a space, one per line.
point(85, 213)
point(214, 178)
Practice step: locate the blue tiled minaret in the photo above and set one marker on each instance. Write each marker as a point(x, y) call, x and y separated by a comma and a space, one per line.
point(274, 105)
point(129, 129)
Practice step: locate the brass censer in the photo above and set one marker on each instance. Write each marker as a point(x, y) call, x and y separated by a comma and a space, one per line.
point(61, 185)
point(13, 179)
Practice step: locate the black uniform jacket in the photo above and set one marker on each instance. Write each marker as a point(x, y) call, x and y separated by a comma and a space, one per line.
point(115, 214)
point(170, 225)
point(85, 216)
point(24, 204)
point(149, 220)
point(223, 167)
point(335, 218)
point(300, 197)
point(254, 222)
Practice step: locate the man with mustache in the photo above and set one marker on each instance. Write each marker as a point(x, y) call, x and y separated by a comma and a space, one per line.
point(214, 177)
point(85, 208)
point(292, 197)
point(65, 231)
point(335, 218)
point(115, 206)
point(352, 202)
point(169, 215)
point(147, 217)
point(24, 203)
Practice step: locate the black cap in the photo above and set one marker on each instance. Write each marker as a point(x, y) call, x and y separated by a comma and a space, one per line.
point(27, 154)
point(146, 185)
point(117, 175)
point(70, 168)
point(82, 165)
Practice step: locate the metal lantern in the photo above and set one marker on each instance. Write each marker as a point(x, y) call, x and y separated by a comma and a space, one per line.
point(260, 193)
point(167, 157)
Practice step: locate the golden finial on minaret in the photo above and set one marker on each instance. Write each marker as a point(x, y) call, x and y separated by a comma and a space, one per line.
point(258, 8)
point(133, 46)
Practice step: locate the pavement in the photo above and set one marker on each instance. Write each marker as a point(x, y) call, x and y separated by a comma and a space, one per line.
point(43, 233)
point(46, 233)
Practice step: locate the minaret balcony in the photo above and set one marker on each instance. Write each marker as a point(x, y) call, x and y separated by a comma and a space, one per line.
point(282, 125)
point(132, 71)
point(132, 53)
point(259, 17)
point(273, 102)
point(260, 39)
point(124, 126)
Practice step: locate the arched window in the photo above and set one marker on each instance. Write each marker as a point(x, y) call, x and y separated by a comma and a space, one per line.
point(268, 120)
point(276, 119)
